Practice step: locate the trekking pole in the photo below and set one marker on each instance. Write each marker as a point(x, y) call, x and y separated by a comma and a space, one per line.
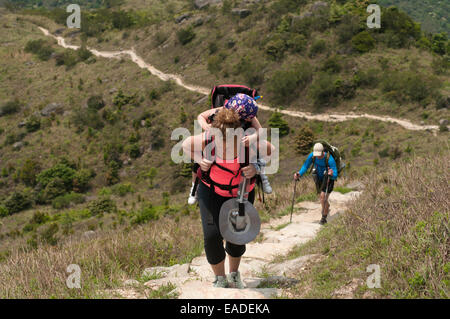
point(326, 191)
point(293, 200)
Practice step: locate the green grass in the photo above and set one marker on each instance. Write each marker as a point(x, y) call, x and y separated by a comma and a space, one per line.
point(342, 189)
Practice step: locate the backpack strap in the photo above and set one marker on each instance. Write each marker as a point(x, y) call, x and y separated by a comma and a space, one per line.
point(313, 163)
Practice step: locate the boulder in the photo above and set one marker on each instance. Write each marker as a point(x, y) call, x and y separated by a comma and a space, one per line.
point(89, 234)
point(182, 17)
point(17, 145)
point(131, 282)
point(200, 4)
point(52, 108)
point(356, 185)
point(197, 22)
point(443, 122)
point(168, 272)
point(318, 5)
point(241, 13)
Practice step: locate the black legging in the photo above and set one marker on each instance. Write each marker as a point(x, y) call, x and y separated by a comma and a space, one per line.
point(210, 204)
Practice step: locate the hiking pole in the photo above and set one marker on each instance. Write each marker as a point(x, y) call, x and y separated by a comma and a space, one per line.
point(293, 200)
point(326, 191)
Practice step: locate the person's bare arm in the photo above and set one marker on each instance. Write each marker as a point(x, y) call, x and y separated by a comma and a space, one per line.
point(202, 118)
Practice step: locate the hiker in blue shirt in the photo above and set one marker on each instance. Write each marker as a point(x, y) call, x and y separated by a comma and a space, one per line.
point(322, 175)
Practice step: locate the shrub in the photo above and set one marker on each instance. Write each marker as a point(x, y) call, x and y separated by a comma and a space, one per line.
point(398, 27)
point(297, 43)
point(285, 84)
point(363, 42)
point(69, 58)
point(95, 102)
point(323, 89)
point(369, 78)
point(82, 118)
point(84, 53)
point(276, 121)
point(29, 171)
point(3, 211)
point(146, 214)
point(215, 64)
point(60, 171)
point(134, 151)
point(122, 189)
point(439, 43)
point(304, 140)
point(331, 65)
point(186, 35)
point(64, 201)
point(102, 205)
point(318, 47)
point(48, 234)
point(122, 99)
point(33, 124)
point(39, 218)
point(53, 189)
point(348, 27)
point(10, 107)
point(251, 69)
point(39, 47)
point(275, 48)
point(441, 65)
point(17, 202)
point(81, 180)
point(345, 88)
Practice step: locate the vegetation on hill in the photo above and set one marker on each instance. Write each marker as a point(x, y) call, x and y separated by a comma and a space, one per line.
point(432, 14)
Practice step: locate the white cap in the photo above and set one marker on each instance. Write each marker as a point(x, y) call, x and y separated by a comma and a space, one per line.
point(318, 149)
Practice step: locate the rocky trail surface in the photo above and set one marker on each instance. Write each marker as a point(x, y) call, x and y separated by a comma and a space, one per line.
point(325, 117)
point(262, 275)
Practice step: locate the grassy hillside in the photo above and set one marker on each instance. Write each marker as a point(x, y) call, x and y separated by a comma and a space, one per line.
point(85, 141)
point(432, 14)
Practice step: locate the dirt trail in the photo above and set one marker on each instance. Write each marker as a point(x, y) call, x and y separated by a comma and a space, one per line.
point(262, 277)
point(195, 88)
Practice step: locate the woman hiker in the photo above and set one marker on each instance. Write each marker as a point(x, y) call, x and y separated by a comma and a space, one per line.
point(247, 110)
point(324, 172)
point(222, 184)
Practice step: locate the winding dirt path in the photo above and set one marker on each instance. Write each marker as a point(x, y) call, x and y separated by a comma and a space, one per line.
point(199, 89)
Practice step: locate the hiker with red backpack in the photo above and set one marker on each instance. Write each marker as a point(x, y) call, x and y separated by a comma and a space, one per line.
point(220, 178)
point(247, 112)
point(324, 171)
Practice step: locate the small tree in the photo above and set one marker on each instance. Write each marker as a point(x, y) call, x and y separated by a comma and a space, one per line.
point(276, 121)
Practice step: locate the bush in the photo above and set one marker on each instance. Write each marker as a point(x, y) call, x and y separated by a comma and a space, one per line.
point(285, 84)
point(323, 89)
point(69, 58)
point(29, 171)
point(348, 28)
point(304, 140)
point(275, 48)
point(398, 27)
point(53, 189)
point(439, 43)
point(10, 107)
point(95, 102)
point(82, 118)
point(134, 151)
point(81, 180)
point(48, 234)
point(59, 171)
point(64, 201)
point(251, 69)
point(331, 65)
point(297, 43)
point(363, 42)
point(186, 35)
point(215, 64)
point(121, 99)
point(33, 124)
point(276, 121)
point(17, 202)
point(146, 214)
point(122, 189)
point(318, 47)
point(39, 47)
point(102, 205)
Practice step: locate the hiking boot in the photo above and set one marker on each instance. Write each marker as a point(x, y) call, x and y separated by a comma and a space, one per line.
point(323, 221)
point(235, 281)
point(220, 282)
point(192, 199)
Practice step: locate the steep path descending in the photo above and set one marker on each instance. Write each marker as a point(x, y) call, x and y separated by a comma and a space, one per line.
point(262, 277)
point(198, 89)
